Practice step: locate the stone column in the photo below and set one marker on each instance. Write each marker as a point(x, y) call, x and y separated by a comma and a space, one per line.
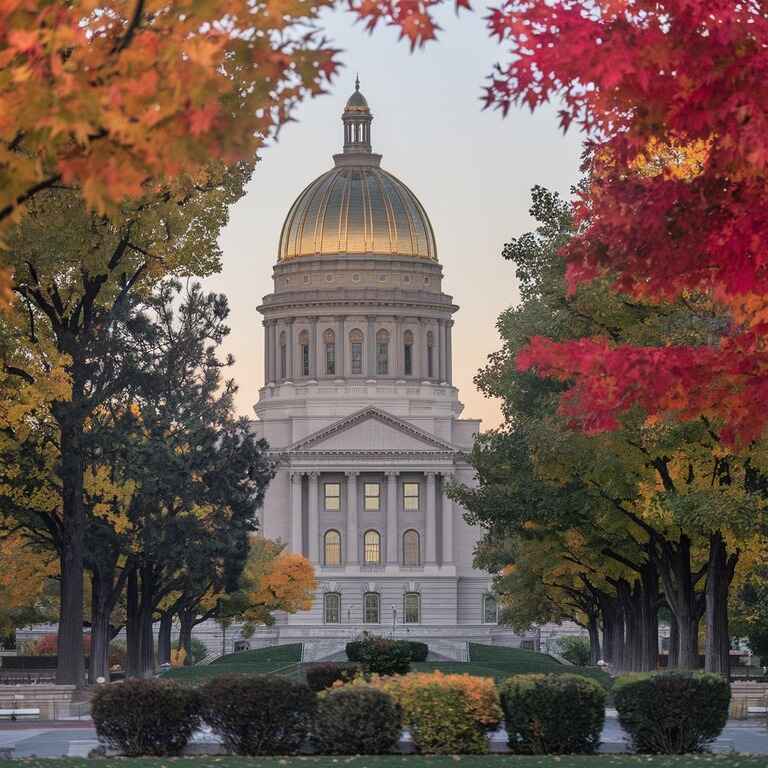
point(297, 545)
point(313, 529)
point(341, 346)
point(421, 370)
point(431, 518)
point(314, 352)
point(393, 548)
point(352, 512)
point(289, 351)
point(441, 351)
point(447, 557)
point(370, 342)
point(265, 323)
point(449, 352)
point(273, 350)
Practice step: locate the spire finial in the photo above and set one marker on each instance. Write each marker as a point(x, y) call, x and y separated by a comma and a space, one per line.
point(357, 81)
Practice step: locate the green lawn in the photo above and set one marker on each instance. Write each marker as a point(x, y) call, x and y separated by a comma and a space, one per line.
point(404, 761)
point(486, 661)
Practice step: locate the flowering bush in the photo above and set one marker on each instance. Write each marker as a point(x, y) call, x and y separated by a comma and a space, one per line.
point(446, 714)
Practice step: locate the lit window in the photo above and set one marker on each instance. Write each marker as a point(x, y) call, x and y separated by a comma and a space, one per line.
point(412, 608)
point(411, 497)
point(490, 610)
point(356, 357)
point(371, 613)
point(411, 550)
point(332, 608)
point(408, 353)
point(372, 548)
point(332, 497)
point(332, 548)
point(330, 352)
point(382, 353)
point(372, 498)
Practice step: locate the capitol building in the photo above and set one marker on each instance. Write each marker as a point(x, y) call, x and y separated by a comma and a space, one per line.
point(362, 417)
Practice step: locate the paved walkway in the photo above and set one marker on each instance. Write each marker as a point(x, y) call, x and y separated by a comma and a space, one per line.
point(68, 740)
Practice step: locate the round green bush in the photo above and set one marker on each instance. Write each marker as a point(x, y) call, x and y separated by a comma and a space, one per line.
point(672, 713)
point(324, 674)
point(553, 714)
point(146, 717)
point(419, 651)
point(357, 721)
point(258, 714)
point(381, 656)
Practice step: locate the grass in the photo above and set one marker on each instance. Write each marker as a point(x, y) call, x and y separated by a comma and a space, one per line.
point(407, 761)
point(486, 661)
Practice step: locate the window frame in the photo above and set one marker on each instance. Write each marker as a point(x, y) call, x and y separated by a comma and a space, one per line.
point(406, 596)
point(336, 496)
point(370, 546)
point(326, 543)
point(430, 355)
point(377, 600)
point(326, 596)
point(382, 353)
point(329, 340)
point(304, 351)
point(356, 340)
point(407, 496)
point(406, 561)
point(376, 496)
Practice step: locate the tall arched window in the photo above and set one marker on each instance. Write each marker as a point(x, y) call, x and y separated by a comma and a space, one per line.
point(408, 353)
point(371, 608)
point(332, 608)
point(356, 351)
point(332, 548)
point(372, 548)
point(304, 350)
point(329, 338)
point(430, 355)
point(283, 356)
point(382, 353)
point(412, 608)
point(411, 548)
point(490, 610)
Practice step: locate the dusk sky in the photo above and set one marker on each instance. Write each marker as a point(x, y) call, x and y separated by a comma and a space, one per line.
point(471, 169)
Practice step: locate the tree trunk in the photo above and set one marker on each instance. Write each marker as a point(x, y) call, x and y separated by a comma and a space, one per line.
point(717, 657)
point(132, 622)
point(100, 631)
point(594, 639)
point(649, 617)
point(186, 619)
point(613, 631)
point(146, 636)
point(70, 669)
point(630, 599)
point(164, 638)
point(674, 642)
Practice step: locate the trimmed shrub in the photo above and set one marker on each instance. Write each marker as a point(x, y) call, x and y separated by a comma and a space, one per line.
point(357, 721)
point(258, 714)
point(446, 714)
point(419, 651)
point(146, 717)
point(324, 674)
point(672, 713)
point(380, 656)
point(555, 714)
point(576, 650)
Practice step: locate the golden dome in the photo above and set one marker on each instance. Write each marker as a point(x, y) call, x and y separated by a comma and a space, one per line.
point(357, 207)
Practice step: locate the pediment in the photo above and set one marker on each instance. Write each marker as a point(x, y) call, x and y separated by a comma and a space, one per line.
point(371, 430)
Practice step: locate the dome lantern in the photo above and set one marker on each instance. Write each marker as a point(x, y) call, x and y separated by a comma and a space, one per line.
point(357, 119)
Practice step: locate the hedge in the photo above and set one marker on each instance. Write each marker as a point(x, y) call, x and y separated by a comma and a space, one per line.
point(380, 656)
point(259, 714)
point(672, 713)
point(146, 717)
point(323, 674)
point(357, 721)
point(553, 714)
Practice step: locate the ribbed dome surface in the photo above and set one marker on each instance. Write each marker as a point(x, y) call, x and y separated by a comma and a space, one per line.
point(357, 209)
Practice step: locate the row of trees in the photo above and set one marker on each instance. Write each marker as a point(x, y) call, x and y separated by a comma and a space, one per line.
point(612, 530)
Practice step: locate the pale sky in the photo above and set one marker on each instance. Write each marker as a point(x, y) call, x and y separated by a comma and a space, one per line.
point(472, 171)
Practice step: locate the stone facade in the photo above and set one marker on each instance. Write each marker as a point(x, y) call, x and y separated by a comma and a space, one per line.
point(362, 417)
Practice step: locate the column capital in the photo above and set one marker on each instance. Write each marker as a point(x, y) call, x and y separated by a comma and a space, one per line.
point(392, 472)
point(448, 475)
point(294, 475)
point(313, 475)
point(431, 473)
point(289, 320)
point(352, 474)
